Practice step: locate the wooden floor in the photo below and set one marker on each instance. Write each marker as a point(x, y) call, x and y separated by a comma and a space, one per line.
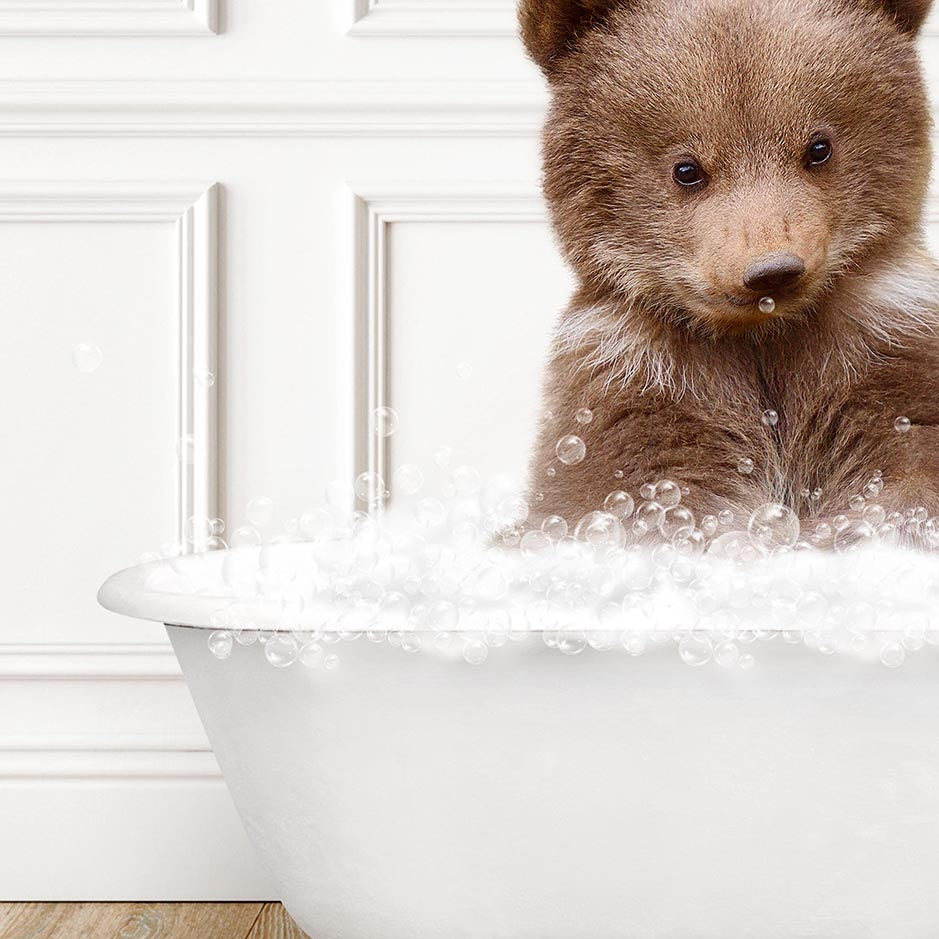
point(146, 921)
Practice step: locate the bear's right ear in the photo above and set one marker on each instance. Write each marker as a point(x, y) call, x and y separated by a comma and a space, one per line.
point(551, 27)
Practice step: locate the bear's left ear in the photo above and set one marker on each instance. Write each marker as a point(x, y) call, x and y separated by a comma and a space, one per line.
point(909, 15)
point(551, 27)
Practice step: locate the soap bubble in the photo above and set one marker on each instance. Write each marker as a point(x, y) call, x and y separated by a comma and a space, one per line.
point(571, 641)
point(443, 455)
point(536, 544)
point(747, 661)
point(570, 449)
point(695, 650)
point(667, 493)
point(745, 466)
point(244, 536)
point(203, 377)
point(260, 511)
point(475, 651)
point(331, 662)
point(466, 480)
point(369, 487)
point(281, 650)
point(677, 524)
point(902, 424)
point(584, 416)
point(893, 655)
point(770, 417)
point(619, 504)
point(601, 530)
point(774, 525)
point(87, 357)
point(464, 369)
point(408, 479)
point(554, 526)
point(383, 421)
point(311, 654)
point(220, 643)
point(726, 654)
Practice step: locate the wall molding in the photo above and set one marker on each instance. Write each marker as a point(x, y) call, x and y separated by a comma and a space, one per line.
point(49, 758)
point(100, 757)
point(335, 109)
point(108, 18)
point(377, 206)
point(407, 18)
point(88, 662)
point(191, 208)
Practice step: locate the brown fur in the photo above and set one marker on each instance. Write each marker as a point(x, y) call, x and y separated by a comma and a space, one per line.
point(663, 341)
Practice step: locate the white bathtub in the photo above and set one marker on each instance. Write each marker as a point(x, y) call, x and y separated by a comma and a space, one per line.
point(540, 796)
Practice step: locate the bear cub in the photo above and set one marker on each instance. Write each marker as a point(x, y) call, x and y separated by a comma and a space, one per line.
point(739, 187)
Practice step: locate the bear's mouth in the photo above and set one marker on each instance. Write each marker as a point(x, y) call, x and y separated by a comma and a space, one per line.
point(740, 301)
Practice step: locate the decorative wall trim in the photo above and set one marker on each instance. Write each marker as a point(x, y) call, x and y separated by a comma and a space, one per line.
point(99, 756)
point(108, 17)
point(88, 662)
point(44, 758)
point(271, 109)
point(192, 210)
point(377, 206)
point(407, 18)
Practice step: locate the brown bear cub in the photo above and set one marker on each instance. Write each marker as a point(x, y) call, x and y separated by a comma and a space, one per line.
point(739, 187)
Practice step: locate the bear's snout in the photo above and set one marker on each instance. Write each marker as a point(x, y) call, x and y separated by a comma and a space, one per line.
point(773, 271)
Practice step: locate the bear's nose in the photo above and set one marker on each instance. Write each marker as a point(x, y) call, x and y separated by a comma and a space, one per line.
point(772, 271)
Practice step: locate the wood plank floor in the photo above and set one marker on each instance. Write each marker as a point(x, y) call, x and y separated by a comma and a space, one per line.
point(147, 921)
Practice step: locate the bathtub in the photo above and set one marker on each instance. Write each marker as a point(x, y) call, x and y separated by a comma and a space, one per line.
point(540, 796)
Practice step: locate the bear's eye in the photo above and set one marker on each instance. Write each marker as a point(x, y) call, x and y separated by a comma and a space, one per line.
point(688, 173)
point(818, 152)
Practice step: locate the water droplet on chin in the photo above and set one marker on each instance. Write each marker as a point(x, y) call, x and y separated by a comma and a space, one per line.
point(767, 305)
point(902, 425)
point(770, 417)
point(87, 357)
point(584, 416)
point(570, 449)
point(745, 466)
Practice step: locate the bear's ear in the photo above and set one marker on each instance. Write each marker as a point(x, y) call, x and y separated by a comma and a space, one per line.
point(909, 15)
point(551, 27)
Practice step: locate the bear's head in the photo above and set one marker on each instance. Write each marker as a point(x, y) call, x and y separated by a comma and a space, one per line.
point(701, 155)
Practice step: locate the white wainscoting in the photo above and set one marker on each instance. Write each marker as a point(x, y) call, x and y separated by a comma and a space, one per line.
point(402, 18)
point(378, 206)
point(107, 18)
